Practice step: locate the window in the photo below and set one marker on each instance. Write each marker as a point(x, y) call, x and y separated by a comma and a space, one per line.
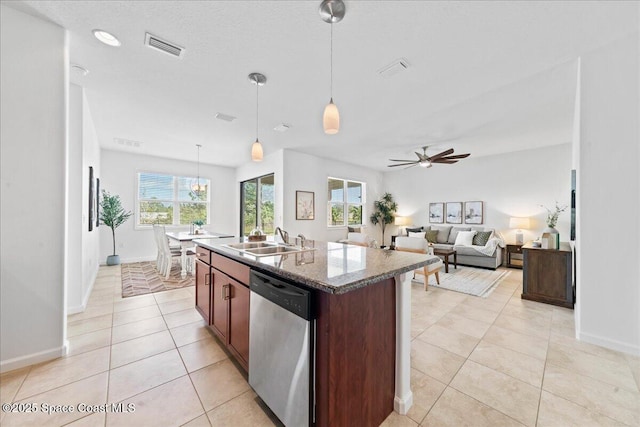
point(171, 200)
point(257, 201)
point(346, 201)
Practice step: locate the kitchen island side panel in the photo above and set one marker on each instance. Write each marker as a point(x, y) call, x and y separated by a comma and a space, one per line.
point(355, 364)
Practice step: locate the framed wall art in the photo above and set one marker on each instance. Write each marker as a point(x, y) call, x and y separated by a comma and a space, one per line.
point(454, 212)
point(305, 205)
point(97, 202)
point(436, 213)
point(473, 213)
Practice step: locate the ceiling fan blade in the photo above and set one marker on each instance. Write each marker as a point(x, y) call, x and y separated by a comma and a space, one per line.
point(442, 154)
point(408, 167)
point(457, 156)
point(398, 160)
point(444, 161)
point(403, 164)
point(422, 157)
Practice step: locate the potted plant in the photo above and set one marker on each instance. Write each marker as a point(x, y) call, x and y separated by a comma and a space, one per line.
point(383, 212)
point(552, 217)
point(113, 215)
point(198, 223)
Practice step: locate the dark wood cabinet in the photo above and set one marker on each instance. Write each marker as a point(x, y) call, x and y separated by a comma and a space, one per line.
point(220, 312)
point(238, 331)
point(203, 290)
point(222, 298)
point(547, 275)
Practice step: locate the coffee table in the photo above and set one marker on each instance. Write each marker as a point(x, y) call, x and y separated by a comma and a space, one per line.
point(446, 253)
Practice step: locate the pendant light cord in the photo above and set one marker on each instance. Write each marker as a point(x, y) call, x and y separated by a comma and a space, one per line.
point(332, 59)
point(257, 108)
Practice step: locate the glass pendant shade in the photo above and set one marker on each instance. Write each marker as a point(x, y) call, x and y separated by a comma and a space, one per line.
point(256, 151)
point(331, 118)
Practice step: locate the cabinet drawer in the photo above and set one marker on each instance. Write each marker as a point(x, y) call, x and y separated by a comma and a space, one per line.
point(232, 268)
point(203, 254)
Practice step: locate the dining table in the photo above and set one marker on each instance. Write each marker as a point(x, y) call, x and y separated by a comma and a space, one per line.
point(186, 238)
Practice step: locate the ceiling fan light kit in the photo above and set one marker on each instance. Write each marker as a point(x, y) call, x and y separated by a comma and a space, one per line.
point(444, 157)
point(256, 149)
point(331, 11)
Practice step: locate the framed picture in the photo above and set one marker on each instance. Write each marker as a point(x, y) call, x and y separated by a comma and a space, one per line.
point(473, 213)
point(436, 213)
point(454, 212)
point(92, 199)
point(305, 205)
point(97, 202)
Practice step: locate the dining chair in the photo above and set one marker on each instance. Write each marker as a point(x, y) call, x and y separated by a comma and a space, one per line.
point(420, 245)
point(165, 252)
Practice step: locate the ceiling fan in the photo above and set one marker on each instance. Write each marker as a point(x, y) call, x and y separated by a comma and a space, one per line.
point(425, 161)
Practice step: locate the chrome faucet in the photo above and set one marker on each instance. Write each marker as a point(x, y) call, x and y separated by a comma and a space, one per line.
point(302, 239)
point(283, 234)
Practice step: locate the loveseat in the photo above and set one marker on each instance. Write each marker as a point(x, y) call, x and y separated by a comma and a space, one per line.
point(484, 249)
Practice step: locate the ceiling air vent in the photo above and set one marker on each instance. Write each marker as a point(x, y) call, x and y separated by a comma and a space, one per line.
point(225, 117)
point(394, 68)
point(127, 142)
point(163, 45)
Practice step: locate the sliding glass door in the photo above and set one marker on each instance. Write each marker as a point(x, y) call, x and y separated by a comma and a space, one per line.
point(257, 201)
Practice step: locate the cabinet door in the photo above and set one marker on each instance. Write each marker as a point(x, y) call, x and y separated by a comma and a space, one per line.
point(546, 276)
point(203, 290)
point(219, 299)
point(239, 320)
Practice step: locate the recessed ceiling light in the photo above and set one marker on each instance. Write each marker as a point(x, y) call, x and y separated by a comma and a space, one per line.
point(80, 69)
point(106, 37)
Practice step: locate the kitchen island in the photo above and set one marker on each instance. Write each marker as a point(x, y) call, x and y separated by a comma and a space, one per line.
point(362, 316)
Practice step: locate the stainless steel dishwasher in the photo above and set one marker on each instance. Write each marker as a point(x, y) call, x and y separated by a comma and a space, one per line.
point(281, 348)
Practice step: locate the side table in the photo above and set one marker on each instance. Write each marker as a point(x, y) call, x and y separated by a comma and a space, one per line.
point(512, 262)
point(445, 253)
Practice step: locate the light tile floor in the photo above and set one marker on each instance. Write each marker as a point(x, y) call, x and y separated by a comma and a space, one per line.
point(496, 361)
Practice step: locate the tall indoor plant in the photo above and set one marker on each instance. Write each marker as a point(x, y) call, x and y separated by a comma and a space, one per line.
point(112, 215)
point(383, 212)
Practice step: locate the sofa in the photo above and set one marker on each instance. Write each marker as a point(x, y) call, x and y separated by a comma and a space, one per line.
point(483, 249)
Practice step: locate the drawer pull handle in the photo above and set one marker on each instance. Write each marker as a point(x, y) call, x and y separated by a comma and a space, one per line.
point(207, 281)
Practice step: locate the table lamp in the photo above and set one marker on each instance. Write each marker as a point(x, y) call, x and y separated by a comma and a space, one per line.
point(519, 223)
point(401, 221)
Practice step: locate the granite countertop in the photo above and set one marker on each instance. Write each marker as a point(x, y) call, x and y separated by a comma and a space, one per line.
point(332, 267)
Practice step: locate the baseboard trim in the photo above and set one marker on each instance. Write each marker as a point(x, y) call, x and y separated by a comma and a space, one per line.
point(609, 343)
point(136, 259)
point(32, 359)
point(85, 300)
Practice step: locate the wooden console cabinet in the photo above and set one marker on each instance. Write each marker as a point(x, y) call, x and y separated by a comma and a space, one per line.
point(222, 298)
point(547, 275)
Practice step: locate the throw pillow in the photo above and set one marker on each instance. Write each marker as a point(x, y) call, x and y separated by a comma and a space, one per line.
point(432, 236)
point(415, 234)
point(465, 238)
point(443, 232)
point(481, 238)
point(454, 233)
point(414, 230)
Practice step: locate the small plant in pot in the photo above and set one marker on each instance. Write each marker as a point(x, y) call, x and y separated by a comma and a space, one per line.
point(112, 215)
point(198, 223)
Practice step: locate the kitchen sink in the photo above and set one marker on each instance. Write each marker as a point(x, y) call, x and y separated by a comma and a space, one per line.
point(266, 248)
point(252, 245)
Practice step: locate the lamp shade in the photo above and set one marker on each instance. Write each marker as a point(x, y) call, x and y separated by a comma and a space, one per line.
point(519, 223)
point(331, 118)
point(256, 151)
point(401, 220)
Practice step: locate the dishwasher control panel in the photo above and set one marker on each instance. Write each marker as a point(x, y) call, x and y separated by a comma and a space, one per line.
point(286, 295)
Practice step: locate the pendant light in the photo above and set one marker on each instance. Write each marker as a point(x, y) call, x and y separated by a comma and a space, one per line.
point(196, 188)
point(256, 149)
point(331, 11)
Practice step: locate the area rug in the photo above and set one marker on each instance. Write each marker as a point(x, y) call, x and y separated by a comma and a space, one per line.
point(468, 280)
point(139, 278)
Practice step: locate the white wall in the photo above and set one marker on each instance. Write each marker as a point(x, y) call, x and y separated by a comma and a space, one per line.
point(510, 184)
point(119, 174)
point(309, 173)
point(608, 287)
point(83, 245)
point(33, 64)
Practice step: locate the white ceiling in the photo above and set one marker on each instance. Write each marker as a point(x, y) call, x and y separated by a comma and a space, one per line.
point(488, 77)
